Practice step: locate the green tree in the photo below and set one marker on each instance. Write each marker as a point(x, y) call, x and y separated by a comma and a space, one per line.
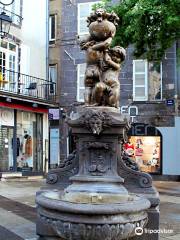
point(151, 26)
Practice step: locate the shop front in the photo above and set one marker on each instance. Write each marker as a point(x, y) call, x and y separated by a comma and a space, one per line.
point(21, 140)
point(144, 146)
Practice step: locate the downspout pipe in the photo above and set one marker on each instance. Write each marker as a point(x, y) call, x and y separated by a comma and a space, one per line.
point(47, 78)
point(178, 66)
point(176, 89)
point(47, 39)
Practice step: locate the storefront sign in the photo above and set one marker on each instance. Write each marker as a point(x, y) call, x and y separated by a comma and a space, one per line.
point(141, 129)
point(7, 117)
point(53, 114)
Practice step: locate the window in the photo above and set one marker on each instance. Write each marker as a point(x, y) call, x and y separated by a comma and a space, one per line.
point(80, 82)
point(147, 81)
point(8, 65)
point(52, 78)
point(52, 28)
point(145, 144)
point(84, 10)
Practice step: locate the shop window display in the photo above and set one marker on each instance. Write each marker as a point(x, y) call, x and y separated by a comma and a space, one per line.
point(21, 145)
point(145, 151)
point(25, 121)
point(27, 135)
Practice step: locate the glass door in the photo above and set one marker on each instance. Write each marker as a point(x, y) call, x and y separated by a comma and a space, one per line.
point(8, 66)
point(6, 148)
point(30, 138)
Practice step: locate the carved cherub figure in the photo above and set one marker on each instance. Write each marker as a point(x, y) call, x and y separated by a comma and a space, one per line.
point(107, 91)
point(93, 71)
point(102, 28)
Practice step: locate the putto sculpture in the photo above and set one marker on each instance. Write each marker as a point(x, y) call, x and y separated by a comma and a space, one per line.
point(105, 199)
point(102, 87)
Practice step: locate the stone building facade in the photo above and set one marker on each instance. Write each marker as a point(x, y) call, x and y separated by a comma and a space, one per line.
point(149, 91)
point(54, 63)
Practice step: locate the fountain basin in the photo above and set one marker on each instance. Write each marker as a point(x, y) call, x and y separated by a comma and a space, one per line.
point(86, 221)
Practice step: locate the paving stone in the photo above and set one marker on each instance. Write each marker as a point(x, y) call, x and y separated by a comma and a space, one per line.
point(17, 225)
point(175, 237)
point(18, 208)
point(5, 234)
point(18, 214)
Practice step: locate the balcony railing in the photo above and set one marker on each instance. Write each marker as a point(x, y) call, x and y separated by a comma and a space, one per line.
point(20, 85)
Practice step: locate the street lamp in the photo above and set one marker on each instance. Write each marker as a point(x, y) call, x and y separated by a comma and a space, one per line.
point(5, 20)
point(5, 24)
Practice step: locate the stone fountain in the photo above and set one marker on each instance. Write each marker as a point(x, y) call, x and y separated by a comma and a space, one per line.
point(97, 205)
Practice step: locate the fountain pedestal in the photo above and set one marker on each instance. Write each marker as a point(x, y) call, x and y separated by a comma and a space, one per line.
point(96, 205)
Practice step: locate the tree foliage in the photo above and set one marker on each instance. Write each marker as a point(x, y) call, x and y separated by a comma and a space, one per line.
point(151, 25)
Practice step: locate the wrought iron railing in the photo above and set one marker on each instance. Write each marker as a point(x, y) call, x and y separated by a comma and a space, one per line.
point(25, 85)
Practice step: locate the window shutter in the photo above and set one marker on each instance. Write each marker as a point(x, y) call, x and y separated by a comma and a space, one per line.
point(140, 81)
point(155, 81)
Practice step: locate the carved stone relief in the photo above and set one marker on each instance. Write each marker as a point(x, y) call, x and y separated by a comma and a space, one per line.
point(96, 122)
point(98, 165)
point(75, 231)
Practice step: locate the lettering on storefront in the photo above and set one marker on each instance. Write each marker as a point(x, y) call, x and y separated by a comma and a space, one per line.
point(141, 129)
point(132, 111)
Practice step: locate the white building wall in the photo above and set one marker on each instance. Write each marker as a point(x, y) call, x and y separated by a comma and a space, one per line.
point(33, 35)
point(33, 44)
point(171, 148)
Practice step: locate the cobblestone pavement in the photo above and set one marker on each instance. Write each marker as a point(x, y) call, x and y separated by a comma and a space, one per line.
point(169, 209)
point(18, 214)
